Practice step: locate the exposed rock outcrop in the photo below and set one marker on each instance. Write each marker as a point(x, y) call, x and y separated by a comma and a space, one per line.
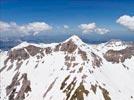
point(79, 93)
point(68, 46)
point(57, 47)
point(119, 56)
point(105, 93)
point(11, 90)
point(24, 53)
point(83, 54)
point(70, 70)
point(97, 61)
point(48, 50)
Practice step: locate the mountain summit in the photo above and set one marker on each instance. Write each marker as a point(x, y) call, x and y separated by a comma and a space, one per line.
point(74, 38)
point(70, 70)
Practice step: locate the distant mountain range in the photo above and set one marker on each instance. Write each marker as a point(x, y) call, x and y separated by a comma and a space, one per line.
point(8, 43)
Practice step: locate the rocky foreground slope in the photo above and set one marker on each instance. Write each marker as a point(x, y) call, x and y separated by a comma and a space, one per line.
point(70, 70)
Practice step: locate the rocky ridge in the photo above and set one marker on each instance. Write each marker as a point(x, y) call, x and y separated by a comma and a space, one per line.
point(70, 70)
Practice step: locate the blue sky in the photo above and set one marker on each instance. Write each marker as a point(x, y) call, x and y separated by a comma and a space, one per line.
point(95, 18)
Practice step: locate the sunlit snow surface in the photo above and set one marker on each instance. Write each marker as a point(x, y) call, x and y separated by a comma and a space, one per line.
point(118, 81)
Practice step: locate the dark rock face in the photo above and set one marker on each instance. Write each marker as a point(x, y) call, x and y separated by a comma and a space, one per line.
point(13, 84)
point(97, 60)
point(18, 54)
point(33, 50)
point(94, 88)
point(79, 93)
point(57, 48)
point(119, 56)
point(49, 88)
point(69, 46)
point(18, 65)
point(68, 64)
point(48, 50)
point(24, 53)
point(69, 61)
point(10, 67)
point(64, 82)
point(68, 58)
point(105, 93)
point(3, 68)
point(69, 88)
point(25, 87)
point(83, 54)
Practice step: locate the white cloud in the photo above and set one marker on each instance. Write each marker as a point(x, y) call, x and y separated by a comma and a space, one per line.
point(66, 26)
point(87, 27)
point(127, 21)
point(91, 27)
point(101, 30)
point(30, 28)
point(4, 26)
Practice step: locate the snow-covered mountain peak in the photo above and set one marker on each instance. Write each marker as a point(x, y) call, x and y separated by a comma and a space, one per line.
point(75, 39)
point(70, 70)
point(115, 42)
point(21, 45)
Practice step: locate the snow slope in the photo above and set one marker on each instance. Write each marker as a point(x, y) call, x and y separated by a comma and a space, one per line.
point(70, 70)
